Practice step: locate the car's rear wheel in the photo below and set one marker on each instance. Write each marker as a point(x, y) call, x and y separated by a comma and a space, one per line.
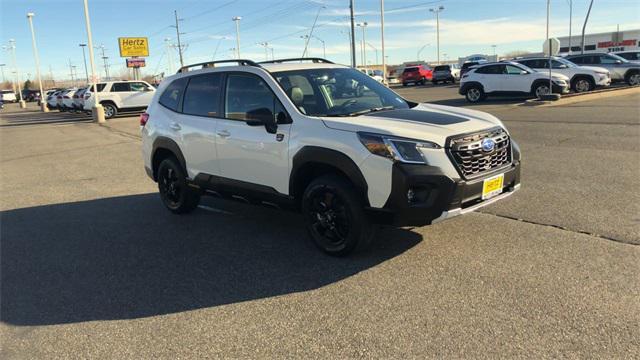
point(583, 85)
point(110, 110)
point(633, 79)
point(474, 94)
point(334, 216)
point(175, 193)
point(541, 90)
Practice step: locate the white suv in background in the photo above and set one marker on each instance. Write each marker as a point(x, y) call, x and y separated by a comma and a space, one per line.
point(509, 78)
point(581, 78)
point(121, 96)
point(324, 139)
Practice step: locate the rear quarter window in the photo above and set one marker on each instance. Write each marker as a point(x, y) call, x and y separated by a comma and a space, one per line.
point(172, 95)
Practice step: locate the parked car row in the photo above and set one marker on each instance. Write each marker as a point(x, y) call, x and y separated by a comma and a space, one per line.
point(115, 97)
point(580, 73)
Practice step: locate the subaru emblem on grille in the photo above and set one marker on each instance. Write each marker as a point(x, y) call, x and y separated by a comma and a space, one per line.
point(488, 145)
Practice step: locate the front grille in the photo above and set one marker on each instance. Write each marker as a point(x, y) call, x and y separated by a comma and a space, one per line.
point(471, 160)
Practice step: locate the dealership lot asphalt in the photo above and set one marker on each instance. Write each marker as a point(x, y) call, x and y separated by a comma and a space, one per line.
point(93, 266)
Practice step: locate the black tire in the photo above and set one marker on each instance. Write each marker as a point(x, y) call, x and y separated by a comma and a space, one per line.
point(174, 191)
point(632, 78)
point(538, 89)
point(582, 84)
point(404, 84)
point(335, 217)
point(434, 82)
point(475, 94)
point(423, 81)
point(110, 110)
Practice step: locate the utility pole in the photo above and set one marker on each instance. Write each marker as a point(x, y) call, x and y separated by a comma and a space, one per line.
point(106, 64)
point(84, 57)
point(308, 37)
point(266, 49)
point(584, 27)
point(97, 110)
point(43, 104)
point(437, 12)
point(175, 12)
point(51, 76)
point(2, 69)
point(570, 18)
point(353, 35)
point(384, 60)
point(363, 25)
point(237, 19)
point(12, 47)
point(305, 38)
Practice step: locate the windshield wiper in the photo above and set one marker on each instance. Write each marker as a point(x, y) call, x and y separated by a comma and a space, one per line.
point(366, 111)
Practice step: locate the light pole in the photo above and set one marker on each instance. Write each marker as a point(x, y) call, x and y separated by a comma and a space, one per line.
point(84, 57)
point(169, 57)
point(305, 38)
point(237, 19)
point(494, 51)
point(104, 58)
point(384, 58)
point(266, 49)
point(2, 69)
point(419, 51)
point(437, 12)
point(570, 18)
point(43, 105)
point(324, 47)
point(12, 47)
point(217, 47)
point(376, 50)
point(97, 110)
point(363, 25)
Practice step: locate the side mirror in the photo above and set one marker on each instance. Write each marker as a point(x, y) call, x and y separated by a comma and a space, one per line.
point(562, 66)
point(524, 72)
point(618, 61)
point(263, 116)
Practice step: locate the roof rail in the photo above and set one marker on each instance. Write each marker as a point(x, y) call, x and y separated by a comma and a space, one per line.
point(210, 64)
point(312, 59)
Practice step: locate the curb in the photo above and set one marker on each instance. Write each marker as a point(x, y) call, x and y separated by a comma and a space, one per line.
point(574, 98)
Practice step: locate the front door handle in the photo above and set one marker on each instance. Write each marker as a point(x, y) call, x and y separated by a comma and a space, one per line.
point(175, 126)
point(223, 133)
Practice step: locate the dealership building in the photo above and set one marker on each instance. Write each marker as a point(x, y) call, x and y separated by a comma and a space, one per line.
point(602, 42)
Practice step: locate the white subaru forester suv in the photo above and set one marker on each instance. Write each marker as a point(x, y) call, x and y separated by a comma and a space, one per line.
point(324, 139)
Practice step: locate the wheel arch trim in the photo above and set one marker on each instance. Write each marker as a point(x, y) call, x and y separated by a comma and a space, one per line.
point(165, 143)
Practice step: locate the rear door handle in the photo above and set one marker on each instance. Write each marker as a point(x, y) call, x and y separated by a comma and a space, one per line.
point(175, 126)
point(223, 133)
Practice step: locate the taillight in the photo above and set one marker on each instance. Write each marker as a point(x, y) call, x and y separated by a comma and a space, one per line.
point(144, 117)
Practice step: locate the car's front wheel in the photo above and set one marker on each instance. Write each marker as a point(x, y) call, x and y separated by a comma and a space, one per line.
point(474, 94)
point(334, 216)
point(175, 193)
point(583, 85)
point(633, 79)
point(541, 90)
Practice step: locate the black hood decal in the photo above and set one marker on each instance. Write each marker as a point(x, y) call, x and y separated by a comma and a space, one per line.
point(428, 117)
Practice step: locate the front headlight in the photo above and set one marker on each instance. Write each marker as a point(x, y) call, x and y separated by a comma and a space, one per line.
point(396, 149)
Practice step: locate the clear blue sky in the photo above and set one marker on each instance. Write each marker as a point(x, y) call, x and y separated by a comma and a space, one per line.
point(467, 26)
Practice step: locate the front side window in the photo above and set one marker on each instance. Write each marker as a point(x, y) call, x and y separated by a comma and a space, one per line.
point(611, 59)
point(173, 94)
point(248, 97)
point(202, 96)
point(337, 92)
point(120, 87)
point(512, 70)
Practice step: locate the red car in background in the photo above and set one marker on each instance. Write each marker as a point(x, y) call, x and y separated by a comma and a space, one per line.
point(416, 74)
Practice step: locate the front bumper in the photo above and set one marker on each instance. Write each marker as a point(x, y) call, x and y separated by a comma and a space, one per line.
point(439, 196)
point(561, 89)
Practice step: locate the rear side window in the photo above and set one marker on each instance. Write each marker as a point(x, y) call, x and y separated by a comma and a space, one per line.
point(202, 97)
point(100, 87)
point(120, 87)
point(491, 69)
point(172, 95)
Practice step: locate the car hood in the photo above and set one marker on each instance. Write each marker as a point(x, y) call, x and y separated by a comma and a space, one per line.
point(427, 122)
point(594, 68)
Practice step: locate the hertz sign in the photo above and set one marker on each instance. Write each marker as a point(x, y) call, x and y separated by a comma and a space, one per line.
point(133, 46)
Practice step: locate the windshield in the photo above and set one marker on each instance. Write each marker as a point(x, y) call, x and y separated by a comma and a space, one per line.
point(618, 58)
point(337, 92)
